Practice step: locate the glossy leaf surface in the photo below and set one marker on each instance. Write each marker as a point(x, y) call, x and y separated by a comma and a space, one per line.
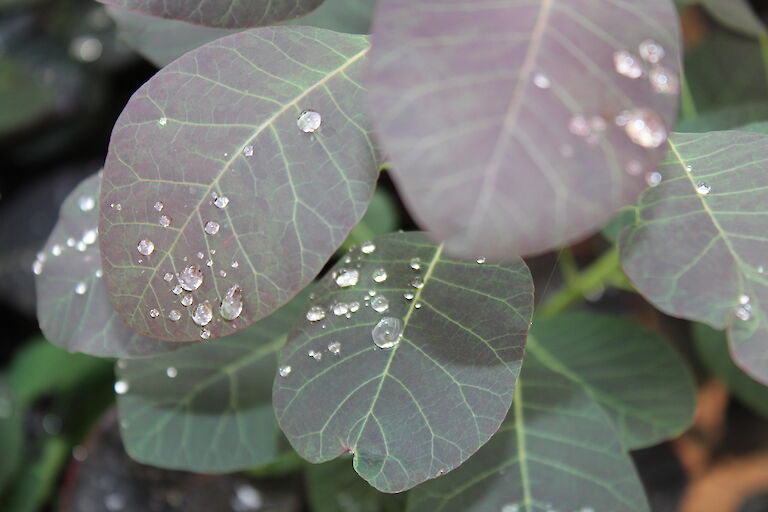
point(501, 118)
point(420, 408)
point(211, 147)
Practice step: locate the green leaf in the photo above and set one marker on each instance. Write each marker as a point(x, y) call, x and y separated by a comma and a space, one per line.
point(334, 487)
point(712, 348)
point(11, 434)
point(37, 477)
point(23, 100)
point(222, 121)
point(63, 371)
point(206, 408)
point(727, 118)
point(514, 109)
point(221, 13)
point(420, 408)
point(625, 217)
point(73, 306)
point(734, 14)
point(642, 382)
point(698, 249)
point(382, 217)
point(557, 450)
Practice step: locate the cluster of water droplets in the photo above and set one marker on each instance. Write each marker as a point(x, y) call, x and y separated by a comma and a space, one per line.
point(743, 310)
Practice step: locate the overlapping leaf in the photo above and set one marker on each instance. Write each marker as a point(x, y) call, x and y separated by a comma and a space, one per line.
point(11, 434)
point(207, 408)
point(221, 122)
point(221, 13)
point(557, 450)
point(734, 14)
point(698, 249)
point(501, 118)
point(643, 384)
point(419, 409)
point(73, 307)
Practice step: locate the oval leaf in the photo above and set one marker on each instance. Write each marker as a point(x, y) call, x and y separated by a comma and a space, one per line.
point(557, 450)
point(206, 408)
point(642, 382)
point(422, 407)
point(221, 122)
point(499, 119)
point(221, 13)
point(698, 249)
point(73, 306)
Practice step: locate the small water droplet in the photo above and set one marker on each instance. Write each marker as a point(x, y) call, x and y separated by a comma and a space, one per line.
point(223, 273)
point(417, 305)
point(90, 236)
point(480, 261)
point(541, 81)
point(627, 64)
point(760, 269)
point(408, 296)
point(187, 300)
point(347, 278)
point(653, 179)
point(162, 121)
point(205, 333)
point(651, 51)
point(248, 150)
point(379, 275)
point(114, 502)
point(86, 203)
point(743, 313)
point(334, 347)
point(203, 314)
point(416, 263)
point(159, 206)
point(354, 307)
point(200, 255)
point(510, 507)
point(146, 247)
point(232, 303)
point(154, 313)
point(417, 283)
point(309, 121)
point(315, 314)
point(368, 247)
point(191, 278)
point(664, 81)
point(38, 267)
point(643, 127)
point(221, 202)
point(177, 289)
point(703, 188)
point(315, 355)
point(388, 332)
point(56, 250)
point(174, 315)
point(165, 221)
point(689, 168)
point(82, 246)
point(744, 299)
point(171, 372)
point(70, 242)
point(340, 309)
point(81, 288)
point(246, 499)
point(122, 387)
point(168, 277)
point(380, 304)
point(235, 264)
point(285, 371)
point(99, 273)
point(212, 227)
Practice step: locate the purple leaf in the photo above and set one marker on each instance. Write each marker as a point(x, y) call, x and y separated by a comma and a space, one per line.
point(214, 173)
point(510, 124)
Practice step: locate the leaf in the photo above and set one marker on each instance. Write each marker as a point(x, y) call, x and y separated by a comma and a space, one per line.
point(712, 348)
point(221, 13)
point(702, 255)
point(478, 109)
point(73, 306)
point(725, 119)
point(734, 14)
point(382, 217)
point(11, 434)
point(222, 120)
point(334, 487)
point(419, 409)
point(625, 217)
point(206, 408)
point(557, 450)
point(642, 383)
point(23, 100)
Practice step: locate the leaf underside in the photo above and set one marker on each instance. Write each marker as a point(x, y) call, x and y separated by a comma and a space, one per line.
point(474, 107)
point(222, 121)
point(415, 411)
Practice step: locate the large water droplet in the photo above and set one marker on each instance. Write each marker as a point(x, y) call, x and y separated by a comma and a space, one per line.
point(643, 127)
point(651, 51)
point(347, 278)
point(368, 247)
point(122, 387)
point(379, 275)
point(627, 64)
point(212, 227)
point(309, 121)
point(221, 202)
point(314, 354)
point(203, 314)
point(174, 315)
point(387, 332)
point(86, 203)
point(285, 371)
point(191, 278)
point(703, 188)
point(145, 247)
point(380, 304)
point(315, 314)
point(232, 303)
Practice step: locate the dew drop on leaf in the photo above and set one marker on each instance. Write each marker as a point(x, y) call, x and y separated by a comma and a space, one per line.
point(168, 277)
point(212, 227)
point(232, 303)
point(285, 371)
point(174, 315)
point(165, 221)
point(663, 81)
point(309, 121)
point(347, 278)
point(203, 314)
point(145, 247)
point(171, 372)
point(90, 236)
point(379, 275)
point(187, 300)
point(368, 247)
point(56, 250)
point(121, 387)
point(380, 304)
point(315, 355)
point(354, 306)
point(627, 64)
point(154, 313)
point(191, 278)
point(703, 188)
point(159, 206)
point(340, 309)
point(541, 81)
point(177, 289)
point(205, 333)
point(653, 179)
point(416, 264)
point(651, 51)
point(417, 283)
point(388, 332)
point(408, 296)
point(162, 121)
point(86, 203)
point(644, 127)
point(81, 288)
point(248, 150)
point(315, 314)
point(221, 202)
point(334, 347)
point(480, 261)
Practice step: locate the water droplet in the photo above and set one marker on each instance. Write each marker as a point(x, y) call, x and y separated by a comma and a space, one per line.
point(154, 313)
point(408, 296)
point(380, 304)
point(223, 273)
point(579, 126)
point(248, 150)
point(703, 188)
point(117, 206)
point(541, 81)
point(340, 308)
point(744, 313)
point(37, 267)
point(334, 347)
point(171, 372)
point(146, 247)
point(174, 315)
point(221, 202)
point(191, 278)
point(387, 332)
point(165, 221)
point(232, 303)
point(653, 179)
point(209, 263)
point(480, 261)
point(354, 307)
point(122, 387)
point(744, 299)
point(70, 242)
point(315, 313)
point(760, 269)
point(309, 121)
point(417, 305)
point(315, 355)
point(643, 127)
point(168, 277)
point(56, 250)
point(651, 51)
point(177, 289)
point(689, 168)
point(159, 206)
point(368, 247)
point(347, 278)
point(634, 168)
point(187, 300)
point(285, 371)
point(81, 288)
point(664, 81)
point(203, 314)
point(235, 264)
point(82, 246)
point(90, 236)
point(246, 499)
point(205, 333)
point(86, 203)
point(379, 275)
point(416, 263)
point(627, 64)
point(212, 227)
point(417, 283)
point(200, 255)
point(162, 121)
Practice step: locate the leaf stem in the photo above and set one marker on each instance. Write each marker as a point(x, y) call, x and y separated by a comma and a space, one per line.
point(688, 105)
point(606, 270)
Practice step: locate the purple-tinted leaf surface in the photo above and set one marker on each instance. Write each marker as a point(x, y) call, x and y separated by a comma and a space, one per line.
point(698, 249)
point(73, 307)
point(221, 13)
point(501, 118)
point(207, 163)
point(417, 404)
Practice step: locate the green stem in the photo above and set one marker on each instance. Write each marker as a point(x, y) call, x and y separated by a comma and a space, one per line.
point(688, 106)
point(596, 275)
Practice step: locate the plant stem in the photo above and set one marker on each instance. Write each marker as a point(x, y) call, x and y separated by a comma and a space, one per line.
point(605, 270)
point(688, 106)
